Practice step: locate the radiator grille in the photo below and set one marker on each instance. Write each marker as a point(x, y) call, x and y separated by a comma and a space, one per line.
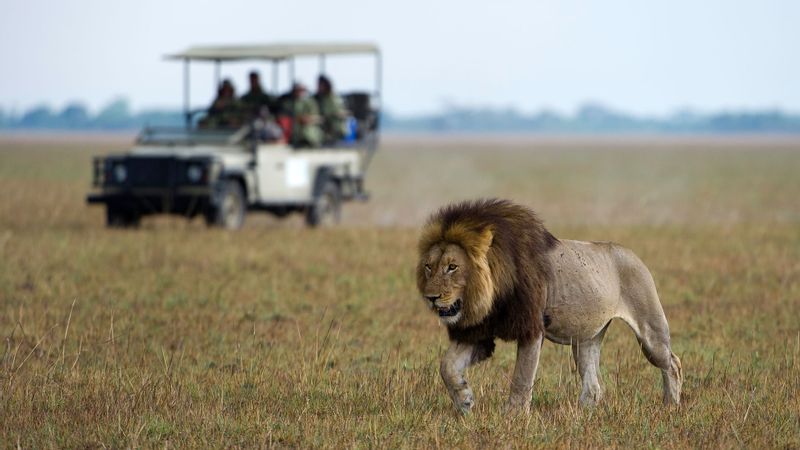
point(151, 171)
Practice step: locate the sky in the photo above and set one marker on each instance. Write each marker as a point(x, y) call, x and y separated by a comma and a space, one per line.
point(643, 57)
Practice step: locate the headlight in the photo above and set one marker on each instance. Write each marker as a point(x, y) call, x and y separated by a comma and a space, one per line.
point(120, 173)
point(194, 173)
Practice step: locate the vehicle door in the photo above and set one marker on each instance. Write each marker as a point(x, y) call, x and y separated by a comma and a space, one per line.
point(283, 176)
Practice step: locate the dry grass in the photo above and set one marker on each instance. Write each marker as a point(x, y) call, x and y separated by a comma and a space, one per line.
point(175, 335)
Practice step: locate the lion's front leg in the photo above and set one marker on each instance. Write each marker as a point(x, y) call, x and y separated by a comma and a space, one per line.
point(519, 399)
point(458, 357)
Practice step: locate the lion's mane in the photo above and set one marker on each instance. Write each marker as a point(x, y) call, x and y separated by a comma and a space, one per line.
point(505, 243)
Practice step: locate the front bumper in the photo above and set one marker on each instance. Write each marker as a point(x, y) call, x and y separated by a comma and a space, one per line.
point(186, 201)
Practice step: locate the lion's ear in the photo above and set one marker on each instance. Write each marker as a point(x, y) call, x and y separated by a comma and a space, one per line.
point(431, 234)
point(486, 237)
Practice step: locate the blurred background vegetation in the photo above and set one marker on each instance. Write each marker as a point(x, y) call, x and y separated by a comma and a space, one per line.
point(589, 118)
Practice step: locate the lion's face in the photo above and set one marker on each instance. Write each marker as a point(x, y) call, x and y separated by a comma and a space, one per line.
point(445, 270)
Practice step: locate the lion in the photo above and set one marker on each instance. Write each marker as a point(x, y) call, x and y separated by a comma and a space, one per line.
point(489, 269)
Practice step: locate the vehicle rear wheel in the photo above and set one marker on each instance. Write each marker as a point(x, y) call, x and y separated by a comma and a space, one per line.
point(326, 209)
point(121, 218)
point(230, 211)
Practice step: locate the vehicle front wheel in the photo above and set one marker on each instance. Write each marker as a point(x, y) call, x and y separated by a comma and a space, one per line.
point(326, 208)
point(120, 218)
point(230, 211)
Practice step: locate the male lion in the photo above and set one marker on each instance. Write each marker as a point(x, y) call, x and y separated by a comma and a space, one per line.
point(490, 269)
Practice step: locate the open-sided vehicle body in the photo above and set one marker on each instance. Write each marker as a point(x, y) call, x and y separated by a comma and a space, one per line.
point(222, 173)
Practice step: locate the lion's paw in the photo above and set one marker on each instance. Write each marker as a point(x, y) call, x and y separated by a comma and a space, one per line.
point(464, 400)
point(590, 397)
point(516, 407)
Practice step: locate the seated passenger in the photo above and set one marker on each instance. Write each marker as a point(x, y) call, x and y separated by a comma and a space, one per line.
point(305, 118)
point(210, 119)
point(225, 110)
point(332, 110)
point(255, 100)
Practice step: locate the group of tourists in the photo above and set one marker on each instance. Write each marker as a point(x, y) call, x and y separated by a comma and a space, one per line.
point(310, 121)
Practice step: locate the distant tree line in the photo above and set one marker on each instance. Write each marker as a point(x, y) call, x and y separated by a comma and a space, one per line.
point(116, 115)
point(590, 118)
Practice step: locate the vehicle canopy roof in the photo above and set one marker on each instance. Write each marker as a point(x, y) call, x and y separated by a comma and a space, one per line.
point(273, 52)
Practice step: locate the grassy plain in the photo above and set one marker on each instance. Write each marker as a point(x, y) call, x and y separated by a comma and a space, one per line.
point(174, 335)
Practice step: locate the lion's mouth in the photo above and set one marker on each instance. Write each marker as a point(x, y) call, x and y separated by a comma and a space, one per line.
point(451, 310)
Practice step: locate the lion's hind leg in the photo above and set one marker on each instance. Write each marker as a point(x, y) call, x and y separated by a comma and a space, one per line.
point(642, 311)
point(587, 359)
point(656, 348)
point(672, 379)
point(652, 332)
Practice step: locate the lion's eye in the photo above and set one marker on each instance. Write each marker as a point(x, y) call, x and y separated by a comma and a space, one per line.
point(452, 267)
point(427, 268)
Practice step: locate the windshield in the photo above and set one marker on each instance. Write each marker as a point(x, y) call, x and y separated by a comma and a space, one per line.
point(189, 136)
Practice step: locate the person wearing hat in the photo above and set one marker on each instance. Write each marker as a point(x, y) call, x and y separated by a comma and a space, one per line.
point(332, 110)
point(225, 110)
point(255, 100)
point(305, 118)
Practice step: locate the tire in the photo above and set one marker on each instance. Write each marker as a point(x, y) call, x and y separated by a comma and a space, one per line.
point(326, 208)
point(120, 218)
point(230, 211)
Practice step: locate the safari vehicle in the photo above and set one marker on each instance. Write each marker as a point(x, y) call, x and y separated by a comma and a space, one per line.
point(221, 174)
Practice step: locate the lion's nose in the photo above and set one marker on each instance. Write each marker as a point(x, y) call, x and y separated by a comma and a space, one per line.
point(433, 298)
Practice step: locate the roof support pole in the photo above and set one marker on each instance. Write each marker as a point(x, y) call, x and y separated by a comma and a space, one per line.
point(186, 101)
point(291, 139)
point(216, 74)
point(378, 77)
point(372, 142)
point(274, 77)
point(322, 64)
